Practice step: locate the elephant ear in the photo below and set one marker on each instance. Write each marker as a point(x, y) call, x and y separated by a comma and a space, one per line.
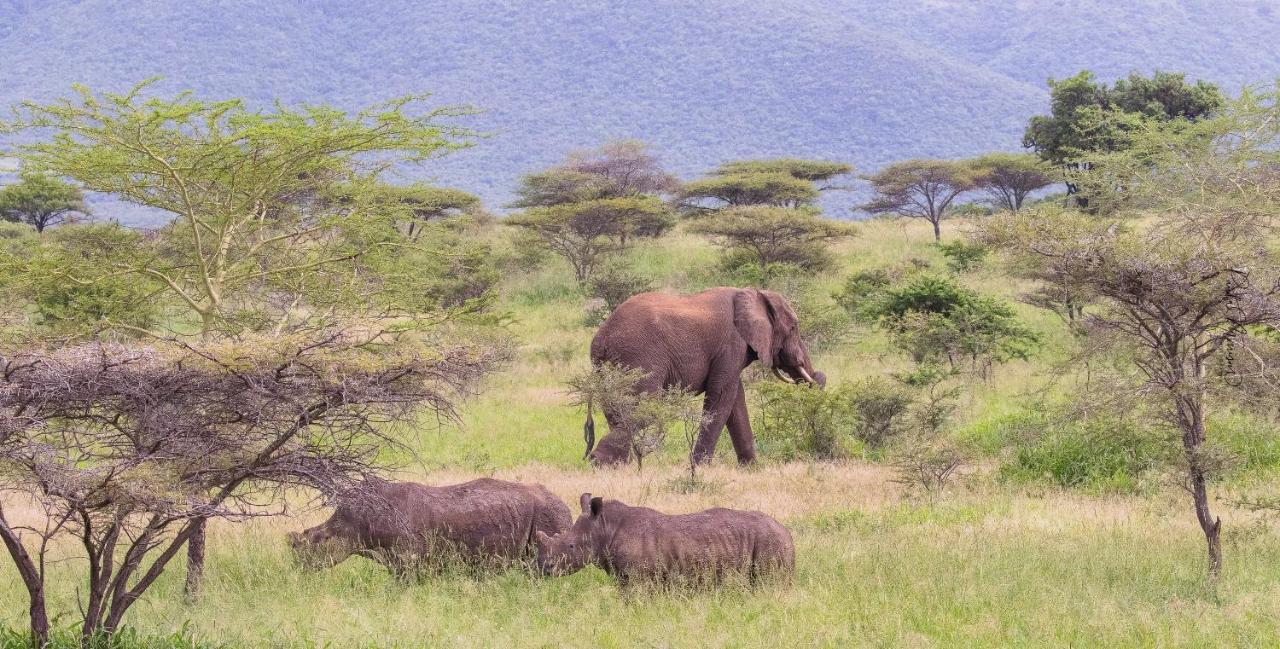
point(751, 319)
point(784, 318)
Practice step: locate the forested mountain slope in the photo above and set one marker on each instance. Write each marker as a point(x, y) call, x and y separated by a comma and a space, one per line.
point(856, 80)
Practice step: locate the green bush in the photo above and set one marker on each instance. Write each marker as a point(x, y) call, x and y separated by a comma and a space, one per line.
point(935, 319)
point(613, 286)
point(862, 292)
point(800, 421)
point(1103, 454)
point(797, 421)
point(962, 256)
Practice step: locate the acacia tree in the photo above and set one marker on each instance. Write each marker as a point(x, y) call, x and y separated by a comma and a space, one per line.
point(40, 200)
point(256, 229)
point(920, 188)
point(585, 234)
point(775, 235)
point(624, 168)
point(128, 450)
point(1008, 178)
point(281, 219)
point(422, 203)
point(596, 203)
point(779, 182)
point(1173, 294)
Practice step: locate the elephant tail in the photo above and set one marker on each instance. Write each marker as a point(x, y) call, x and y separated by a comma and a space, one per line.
point(589, 431)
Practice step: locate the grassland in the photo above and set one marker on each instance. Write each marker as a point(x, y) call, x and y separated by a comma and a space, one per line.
point(988, 563)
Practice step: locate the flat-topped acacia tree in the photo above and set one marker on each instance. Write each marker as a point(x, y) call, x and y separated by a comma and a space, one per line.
point(776, 182)
point(920, 188)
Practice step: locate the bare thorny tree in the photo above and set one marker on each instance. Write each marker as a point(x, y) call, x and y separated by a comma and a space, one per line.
point(1184, 282)
point(128, 450)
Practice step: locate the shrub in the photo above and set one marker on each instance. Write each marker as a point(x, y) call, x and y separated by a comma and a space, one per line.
point(797, 421)
point(934, 319)
point(962, 256)
point(613, 286)
point(1103, 453)
point(774, 235)
point(861, 293)
point(883, 407)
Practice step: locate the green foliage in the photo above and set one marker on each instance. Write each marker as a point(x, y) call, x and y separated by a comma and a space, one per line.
point(273, 210)
point(883, 407)
point(1102, 453)
point(796, 422)
point(811, 170)
point(862, 293)
point(596, 204)
point(776, 189)
point(613, 286)
point(40, 200)
point(649, 416)
point(963, 256)
point(934, 319)
point(586, 233)
point(778, 182)
point(69, 277)
point(1087, 116)
point(768, 235)
point(557, 186)
point(799, 421)
point(449, 271)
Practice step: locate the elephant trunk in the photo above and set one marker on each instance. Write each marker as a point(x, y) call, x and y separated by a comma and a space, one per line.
point(589, 431)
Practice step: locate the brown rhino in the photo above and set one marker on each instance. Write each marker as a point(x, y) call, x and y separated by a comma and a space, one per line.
point(642, 544)
point(404, 524)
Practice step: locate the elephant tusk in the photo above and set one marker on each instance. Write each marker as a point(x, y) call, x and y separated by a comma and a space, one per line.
point(806, 376)
point(784, 379)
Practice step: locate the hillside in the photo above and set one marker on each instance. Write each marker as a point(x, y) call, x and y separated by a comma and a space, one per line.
point(856, 80)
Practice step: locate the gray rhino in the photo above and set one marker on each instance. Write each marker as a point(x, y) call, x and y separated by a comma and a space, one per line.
point(404, 524)
point(642, 544)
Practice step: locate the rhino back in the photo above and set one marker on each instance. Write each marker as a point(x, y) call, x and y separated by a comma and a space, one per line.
point(486, 515)
point(708, 543)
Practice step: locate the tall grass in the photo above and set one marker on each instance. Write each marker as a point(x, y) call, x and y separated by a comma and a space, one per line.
point(991, 563)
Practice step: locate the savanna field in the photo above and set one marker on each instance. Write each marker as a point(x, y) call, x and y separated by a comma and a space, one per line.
point(1016, 550)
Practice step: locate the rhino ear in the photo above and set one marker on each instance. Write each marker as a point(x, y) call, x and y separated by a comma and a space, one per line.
point(585, 501)
point(596, 504)
point(541, 538)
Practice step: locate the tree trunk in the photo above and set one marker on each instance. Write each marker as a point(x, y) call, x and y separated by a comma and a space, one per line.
point(195, 563)
point(1208, 524)
point(1191, 416)
point(39, 620)
point(32, 578)
point(937, 230)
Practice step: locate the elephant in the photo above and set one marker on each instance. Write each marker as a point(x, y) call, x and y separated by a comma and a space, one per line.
point(701, 343)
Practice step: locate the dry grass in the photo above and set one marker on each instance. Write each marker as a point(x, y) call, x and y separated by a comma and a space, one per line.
point(983, 565)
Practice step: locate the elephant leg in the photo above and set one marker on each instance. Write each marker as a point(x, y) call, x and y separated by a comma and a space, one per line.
point(744, 443)
point(715, 413)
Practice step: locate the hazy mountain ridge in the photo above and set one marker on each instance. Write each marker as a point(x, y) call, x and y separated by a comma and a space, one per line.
point(862, 81)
